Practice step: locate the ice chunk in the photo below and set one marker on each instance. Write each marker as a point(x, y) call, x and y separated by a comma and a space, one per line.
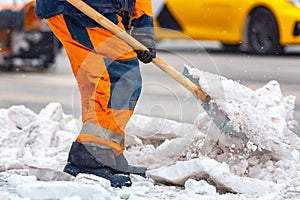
point(206, 168)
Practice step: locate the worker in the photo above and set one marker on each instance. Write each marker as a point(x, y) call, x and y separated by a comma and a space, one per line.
point(109, 80)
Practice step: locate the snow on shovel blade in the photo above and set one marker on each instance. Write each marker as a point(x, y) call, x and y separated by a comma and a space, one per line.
point(250, 131)
point(220, 119)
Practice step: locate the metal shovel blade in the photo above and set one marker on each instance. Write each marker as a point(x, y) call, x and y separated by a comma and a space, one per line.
point(220, 118)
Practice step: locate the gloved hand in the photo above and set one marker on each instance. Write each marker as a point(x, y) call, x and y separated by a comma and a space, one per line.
point(144, 36)
point(146, 56)
point(142, 30)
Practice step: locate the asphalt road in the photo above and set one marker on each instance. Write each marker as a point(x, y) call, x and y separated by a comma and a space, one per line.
point(161, 96)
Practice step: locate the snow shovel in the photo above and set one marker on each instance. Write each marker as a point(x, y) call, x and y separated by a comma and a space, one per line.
point(217, 115)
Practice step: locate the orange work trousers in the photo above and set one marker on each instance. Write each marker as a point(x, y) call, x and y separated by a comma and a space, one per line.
point(108, 76)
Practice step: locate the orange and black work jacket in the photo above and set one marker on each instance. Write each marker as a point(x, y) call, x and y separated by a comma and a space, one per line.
point(138, 13)
point(50, 8)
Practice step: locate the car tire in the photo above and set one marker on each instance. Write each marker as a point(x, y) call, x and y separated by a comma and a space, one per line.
point(263, 33)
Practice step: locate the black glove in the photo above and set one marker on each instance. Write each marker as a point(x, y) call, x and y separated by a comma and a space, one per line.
point(142, 30)
point(146, 56)
point(145, 36)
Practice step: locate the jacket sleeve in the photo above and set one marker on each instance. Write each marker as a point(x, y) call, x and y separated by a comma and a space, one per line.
point(143, 18)
point(143, 7)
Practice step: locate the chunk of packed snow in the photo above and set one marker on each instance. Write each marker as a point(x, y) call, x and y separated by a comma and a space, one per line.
point(5, 122)
point(159, 128)
point(219, 173)
point(199, 187)
point(60, 189)
point(21, 116)
point(16, 180)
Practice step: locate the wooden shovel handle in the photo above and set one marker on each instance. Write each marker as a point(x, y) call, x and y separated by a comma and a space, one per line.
point(136, 45)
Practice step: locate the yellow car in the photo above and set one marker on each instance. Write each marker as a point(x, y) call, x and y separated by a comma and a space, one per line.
point(257, 26)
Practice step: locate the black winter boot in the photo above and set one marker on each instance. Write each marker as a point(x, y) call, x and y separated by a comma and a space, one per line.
point(116, 180)
point(86, 158)
point(80, 160)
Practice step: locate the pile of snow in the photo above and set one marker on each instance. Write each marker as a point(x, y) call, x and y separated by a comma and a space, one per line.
point(265, 116)
point(38, 140)
point(183, 163)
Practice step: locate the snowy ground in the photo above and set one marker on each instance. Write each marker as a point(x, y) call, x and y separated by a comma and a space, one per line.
point(185, 161)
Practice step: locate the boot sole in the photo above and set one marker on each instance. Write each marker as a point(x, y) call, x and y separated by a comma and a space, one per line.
point(116, 179)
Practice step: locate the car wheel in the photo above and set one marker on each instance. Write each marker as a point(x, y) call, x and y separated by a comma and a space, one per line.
point(263, 33)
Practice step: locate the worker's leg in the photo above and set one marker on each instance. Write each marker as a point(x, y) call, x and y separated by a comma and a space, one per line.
point(108, 76)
